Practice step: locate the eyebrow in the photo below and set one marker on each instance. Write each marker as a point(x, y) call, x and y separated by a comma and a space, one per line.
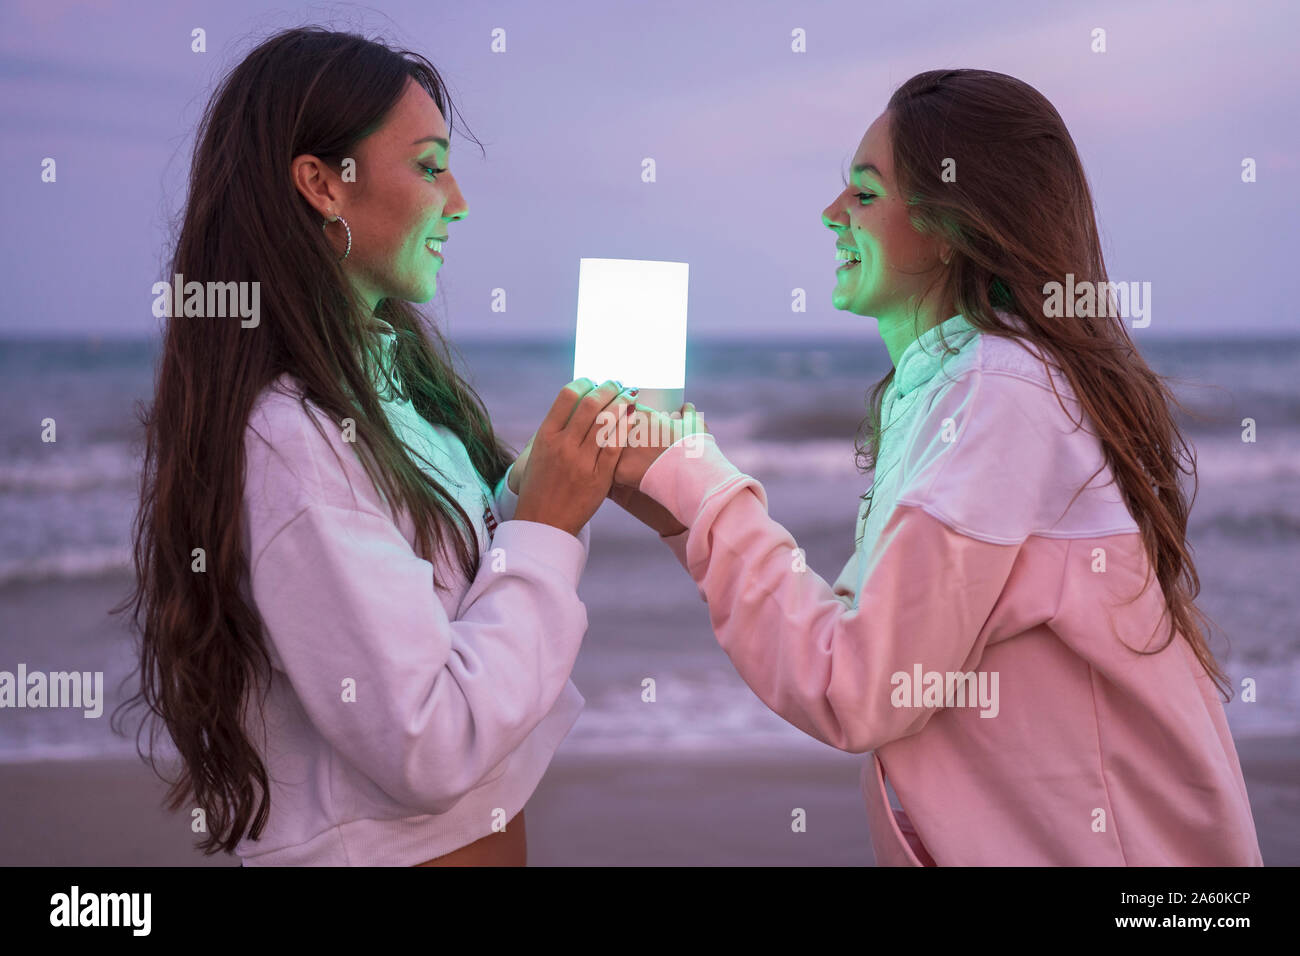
point(433, 139)
point(868, 168)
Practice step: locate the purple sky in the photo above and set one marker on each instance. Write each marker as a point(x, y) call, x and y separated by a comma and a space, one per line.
point(749, 139)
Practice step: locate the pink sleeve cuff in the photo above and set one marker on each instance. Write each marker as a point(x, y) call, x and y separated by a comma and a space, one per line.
point(687, 473)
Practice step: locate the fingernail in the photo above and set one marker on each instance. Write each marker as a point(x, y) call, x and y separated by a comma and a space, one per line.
point(634, 391)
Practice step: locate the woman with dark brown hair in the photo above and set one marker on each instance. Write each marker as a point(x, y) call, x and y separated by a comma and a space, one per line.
point(358, 619)
point(995, 639)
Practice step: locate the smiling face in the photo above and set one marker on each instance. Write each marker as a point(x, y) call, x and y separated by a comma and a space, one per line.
point(399, 207)
point(889, 262)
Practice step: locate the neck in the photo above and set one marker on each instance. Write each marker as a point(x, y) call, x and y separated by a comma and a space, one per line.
point(900, 329)
point(364, 293)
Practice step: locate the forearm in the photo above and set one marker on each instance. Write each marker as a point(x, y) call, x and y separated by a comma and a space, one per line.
point(646, 510)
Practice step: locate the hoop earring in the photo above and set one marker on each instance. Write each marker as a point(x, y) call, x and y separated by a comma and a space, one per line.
point(348, 250)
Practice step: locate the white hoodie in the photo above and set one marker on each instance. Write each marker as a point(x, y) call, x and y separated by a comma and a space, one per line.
point(402, 722)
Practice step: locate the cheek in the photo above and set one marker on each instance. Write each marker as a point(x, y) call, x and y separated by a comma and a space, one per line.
point(405, 219)
point(395, 217)
point(907, 249)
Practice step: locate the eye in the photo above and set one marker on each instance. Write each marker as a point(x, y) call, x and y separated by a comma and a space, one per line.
point(433, 171)
point(863, 198)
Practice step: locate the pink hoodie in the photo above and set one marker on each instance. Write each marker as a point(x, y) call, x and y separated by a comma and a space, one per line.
point(974, 642)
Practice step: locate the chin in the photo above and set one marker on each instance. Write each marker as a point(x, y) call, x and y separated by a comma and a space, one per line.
point(845, 297)
point(421, 296)
point(858, 305)
point(845, 304)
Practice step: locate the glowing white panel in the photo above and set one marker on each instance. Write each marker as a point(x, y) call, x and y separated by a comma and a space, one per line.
point(632, 323)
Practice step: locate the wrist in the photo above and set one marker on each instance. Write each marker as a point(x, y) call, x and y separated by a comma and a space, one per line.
point(667, 525)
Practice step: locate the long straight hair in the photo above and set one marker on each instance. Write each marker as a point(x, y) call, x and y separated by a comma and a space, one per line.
point(1018, 216)
point(202, 651)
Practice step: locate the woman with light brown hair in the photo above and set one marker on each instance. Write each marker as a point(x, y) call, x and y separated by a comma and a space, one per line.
point(1014, 636)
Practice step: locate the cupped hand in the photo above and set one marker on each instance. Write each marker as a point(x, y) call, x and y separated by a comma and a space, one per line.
point(570, 466)
point(649, 433)
point(629, 497)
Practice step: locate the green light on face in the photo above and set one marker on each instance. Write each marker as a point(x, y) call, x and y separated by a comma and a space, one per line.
point(632, 322)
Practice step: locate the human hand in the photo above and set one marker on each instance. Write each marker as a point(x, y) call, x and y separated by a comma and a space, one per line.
point(659, 431)
point(568, 473)
point(516, 476)
point(520, 466)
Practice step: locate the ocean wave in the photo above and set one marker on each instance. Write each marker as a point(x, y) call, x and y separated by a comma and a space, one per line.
point(65, 565)
point(700, 708)
point(1258, 527)
point(801, 425)
point(32, 751)
point(789, 445)
point(71, 468)
point(706, 709)
point(1228, 461)
point(820, 458)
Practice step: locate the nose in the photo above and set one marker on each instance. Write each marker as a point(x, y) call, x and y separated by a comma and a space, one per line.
point(456, 207)
point(829, 217)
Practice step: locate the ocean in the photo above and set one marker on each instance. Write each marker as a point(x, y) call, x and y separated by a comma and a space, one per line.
point(786, 412)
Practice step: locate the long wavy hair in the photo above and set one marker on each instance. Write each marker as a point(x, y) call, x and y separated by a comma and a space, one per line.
point(1020, 215)
point(202, 652)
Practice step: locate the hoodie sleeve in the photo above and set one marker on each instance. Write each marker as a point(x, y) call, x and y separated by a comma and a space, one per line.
point(505, 501)
point(842, 588)
point(423, 705)
point(821, 661)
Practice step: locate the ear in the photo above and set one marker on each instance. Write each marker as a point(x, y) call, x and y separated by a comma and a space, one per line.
point(318, 184)
point(945, 252)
